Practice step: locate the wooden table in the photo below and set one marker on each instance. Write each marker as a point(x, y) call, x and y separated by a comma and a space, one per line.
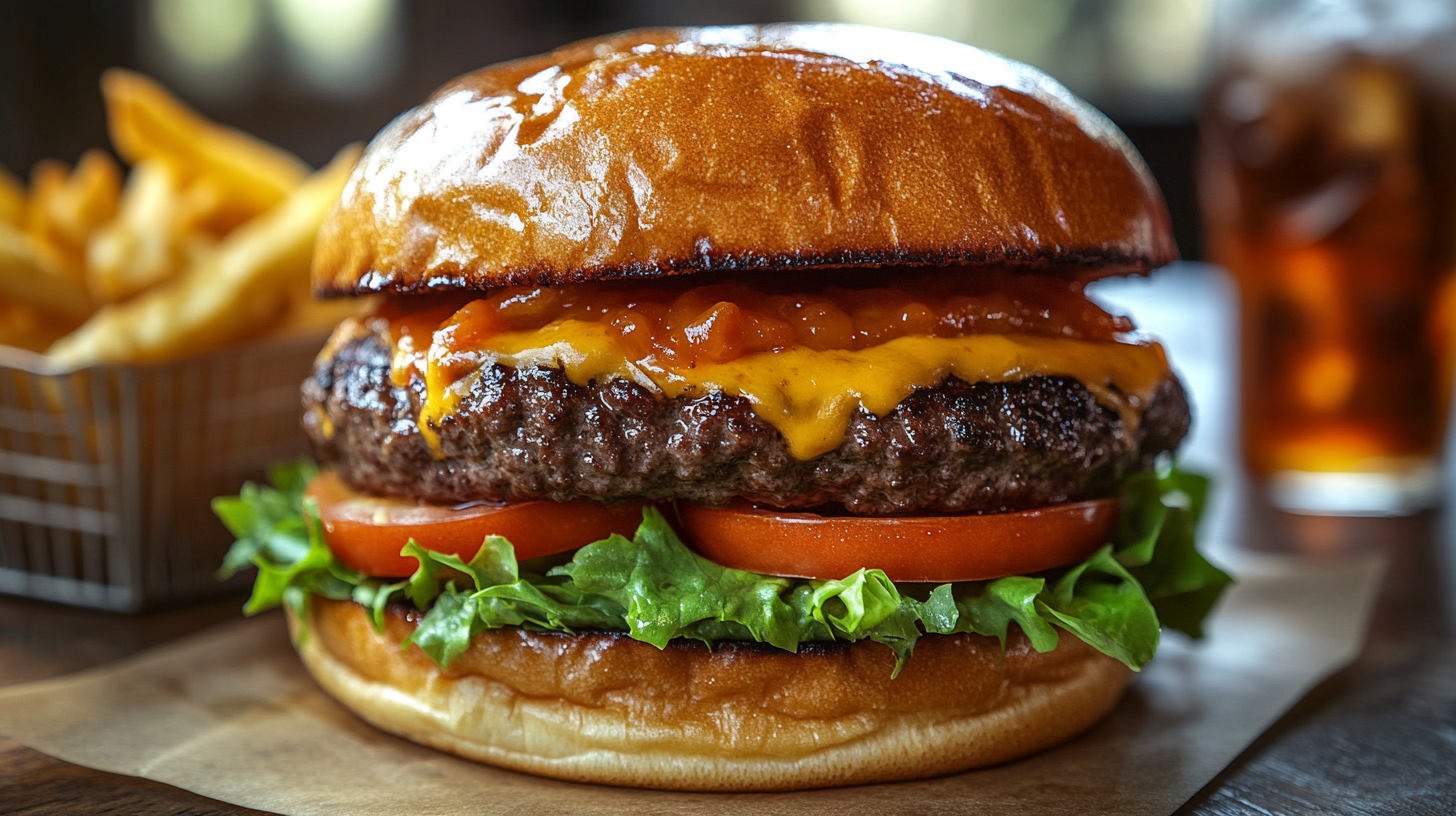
point(1379, 737)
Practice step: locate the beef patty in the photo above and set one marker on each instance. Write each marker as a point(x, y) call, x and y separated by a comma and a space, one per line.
point(531, 434)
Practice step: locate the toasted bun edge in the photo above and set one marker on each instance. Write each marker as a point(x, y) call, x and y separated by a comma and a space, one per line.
point(606, 709)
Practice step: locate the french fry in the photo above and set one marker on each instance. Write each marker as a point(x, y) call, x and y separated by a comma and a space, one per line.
point(47, 180)
point(209, 242)
point(146, 122)
point(26, 326)
point(240, 288)
point(307, 314)
point(12, 198)
point(26, 276)
point(66, 207)
point(147, 242)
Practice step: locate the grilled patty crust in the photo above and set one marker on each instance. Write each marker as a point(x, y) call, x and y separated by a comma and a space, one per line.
point(533, 434)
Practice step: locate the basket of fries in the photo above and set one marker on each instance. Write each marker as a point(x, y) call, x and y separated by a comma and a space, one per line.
point(154, 328)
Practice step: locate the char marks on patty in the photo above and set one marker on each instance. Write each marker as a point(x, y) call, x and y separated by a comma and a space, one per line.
point(531, 434)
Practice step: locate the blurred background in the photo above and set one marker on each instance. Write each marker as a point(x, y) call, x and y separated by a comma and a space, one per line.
point(310, 75)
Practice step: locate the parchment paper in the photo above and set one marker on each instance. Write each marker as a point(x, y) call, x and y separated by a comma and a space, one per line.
point(230, 714)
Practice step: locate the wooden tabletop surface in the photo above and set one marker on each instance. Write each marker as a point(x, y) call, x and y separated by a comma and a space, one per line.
point(1379, 737)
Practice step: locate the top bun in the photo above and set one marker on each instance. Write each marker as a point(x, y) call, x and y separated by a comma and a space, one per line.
point(672, 151)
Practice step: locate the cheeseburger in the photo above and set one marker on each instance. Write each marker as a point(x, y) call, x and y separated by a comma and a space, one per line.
point(733, 417)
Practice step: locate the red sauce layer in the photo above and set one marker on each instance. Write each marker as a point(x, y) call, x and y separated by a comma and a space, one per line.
point(682, 321)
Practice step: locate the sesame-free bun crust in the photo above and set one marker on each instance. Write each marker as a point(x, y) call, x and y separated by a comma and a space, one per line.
point(672, 151)
point(611, 710)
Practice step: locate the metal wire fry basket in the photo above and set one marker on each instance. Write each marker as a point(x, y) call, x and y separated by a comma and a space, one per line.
point(107, 473)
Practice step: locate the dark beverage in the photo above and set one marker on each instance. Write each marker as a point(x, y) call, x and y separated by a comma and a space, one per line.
point(1330, 192)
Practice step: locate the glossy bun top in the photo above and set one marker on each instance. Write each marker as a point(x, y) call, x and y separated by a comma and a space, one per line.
point(672, 151)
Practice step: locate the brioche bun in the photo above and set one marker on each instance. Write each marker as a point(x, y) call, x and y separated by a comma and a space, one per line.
point(607, 709)
point(673, 151)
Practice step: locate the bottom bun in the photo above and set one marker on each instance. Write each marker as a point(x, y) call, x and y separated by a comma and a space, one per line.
point(607, 709)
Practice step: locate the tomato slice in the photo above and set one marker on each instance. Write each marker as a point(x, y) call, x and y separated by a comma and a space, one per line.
point(924, 548)
point(366, 532)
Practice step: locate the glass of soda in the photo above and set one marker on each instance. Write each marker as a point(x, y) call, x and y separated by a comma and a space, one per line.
point(1327, 177)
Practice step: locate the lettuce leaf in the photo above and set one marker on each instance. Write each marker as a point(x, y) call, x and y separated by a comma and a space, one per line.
point(1159, 549)
point(655, 589)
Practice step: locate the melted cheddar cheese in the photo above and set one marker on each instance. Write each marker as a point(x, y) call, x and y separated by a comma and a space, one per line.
point(809, 396)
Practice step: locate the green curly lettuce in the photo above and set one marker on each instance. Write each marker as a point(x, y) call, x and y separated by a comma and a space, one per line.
point(655, 589)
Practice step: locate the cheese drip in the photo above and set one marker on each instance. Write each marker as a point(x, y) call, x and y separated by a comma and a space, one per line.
point(809, 396)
